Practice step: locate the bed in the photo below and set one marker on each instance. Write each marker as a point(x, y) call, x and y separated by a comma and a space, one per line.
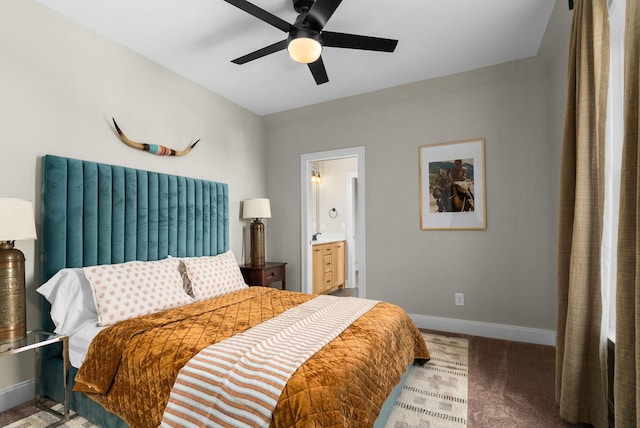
point(106, 217)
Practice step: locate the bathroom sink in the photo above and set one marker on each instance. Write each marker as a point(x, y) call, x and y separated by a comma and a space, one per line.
point(329, 237)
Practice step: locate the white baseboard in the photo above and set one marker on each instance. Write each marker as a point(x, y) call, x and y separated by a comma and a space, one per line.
point(17, 394)
point(484, 329)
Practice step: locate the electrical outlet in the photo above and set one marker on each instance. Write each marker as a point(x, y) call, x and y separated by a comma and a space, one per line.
point(459, 299)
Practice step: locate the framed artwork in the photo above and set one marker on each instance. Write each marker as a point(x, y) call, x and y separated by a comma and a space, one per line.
point(452, 193)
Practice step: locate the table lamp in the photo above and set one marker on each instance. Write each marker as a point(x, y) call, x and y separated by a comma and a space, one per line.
point(16, 223)
point(257, 209)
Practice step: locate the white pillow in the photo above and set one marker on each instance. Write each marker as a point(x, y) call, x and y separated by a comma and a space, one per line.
point(128, 290)
point(71, 298)
point(213, 276)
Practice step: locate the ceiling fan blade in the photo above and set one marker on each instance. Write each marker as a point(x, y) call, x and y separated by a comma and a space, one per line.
point(318, 71)
point(354, 41)
point(261, 52)
point(261, 14)
point(320, 12)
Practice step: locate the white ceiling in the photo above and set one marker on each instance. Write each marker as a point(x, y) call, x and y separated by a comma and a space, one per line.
point(199, 38)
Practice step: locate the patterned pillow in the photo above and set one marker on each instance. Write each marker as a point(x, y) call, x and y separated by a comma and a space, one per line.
point(127, 290)
point(213, 276)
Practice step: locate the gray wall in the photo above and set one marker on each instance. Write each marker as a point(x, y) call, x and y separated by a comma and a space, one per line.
point(507, 272)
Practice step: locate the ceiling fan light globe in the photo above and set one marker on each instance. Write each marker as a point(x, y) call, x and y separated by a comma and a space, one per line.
point(304, 50)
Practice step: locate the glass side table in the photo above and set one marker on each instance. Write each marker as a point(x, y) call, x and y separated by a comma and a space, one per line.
point(36, 340)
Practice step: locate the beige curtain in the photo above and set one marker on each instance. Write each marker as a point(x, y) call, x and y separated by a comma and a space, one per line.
point(627, 359)
point(580, 369)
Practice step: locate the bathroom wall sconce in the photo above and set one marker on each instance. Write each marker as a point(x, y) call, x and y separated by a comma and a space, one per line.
point(316, 178)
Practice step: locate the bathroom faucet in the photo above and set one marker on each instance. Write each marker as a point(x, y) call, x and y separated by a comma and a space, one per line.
point(314, 237)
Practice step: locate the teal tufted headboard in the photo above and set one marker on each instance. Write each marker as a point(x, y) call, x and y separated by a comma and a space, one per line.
point(94, 213)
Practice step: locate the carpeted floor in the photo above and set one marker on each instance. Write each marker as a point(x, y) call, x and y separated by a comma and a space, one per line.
point(511, 384)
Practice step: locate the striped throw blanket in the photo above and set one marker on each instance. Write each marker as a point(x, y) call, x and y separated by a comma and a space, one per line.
point(236, 383)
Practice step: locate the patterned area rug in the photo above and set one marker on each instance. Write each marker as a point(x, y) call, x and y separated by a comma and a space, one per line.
point(43, 419)
point(435, 395)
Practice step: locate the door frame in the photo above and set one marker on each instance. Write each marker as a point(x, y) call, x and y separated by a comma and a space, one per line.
point(352, 191)
point(306, 229)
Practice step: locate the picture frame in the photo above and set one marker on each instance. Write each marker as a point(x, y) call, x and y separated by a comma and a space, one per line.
point(452, 189)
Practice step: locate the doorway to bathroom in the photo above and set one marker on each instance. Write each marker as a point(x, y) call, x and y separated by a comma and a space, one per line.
point(333, 209)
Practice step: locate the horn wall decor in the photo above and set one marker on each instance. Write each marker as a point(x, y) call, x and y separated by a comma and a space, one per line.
point(155, 149)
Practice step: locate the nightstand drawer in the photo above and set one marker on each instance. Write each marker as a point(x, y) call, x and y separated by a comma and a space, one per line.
point(264, 275)
point(273, 274)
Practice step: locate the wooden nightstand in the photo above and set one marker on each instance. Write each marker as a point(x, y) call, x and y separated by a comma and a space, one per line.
point(264, 275)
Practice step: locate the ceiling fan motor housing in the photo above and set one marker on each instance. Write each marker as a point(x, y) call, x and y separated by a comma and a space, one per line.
point(302, 6)
point(306, 33)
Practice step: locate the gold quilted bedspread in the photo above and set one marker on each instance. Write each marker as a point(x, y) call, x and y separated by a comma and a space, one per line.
point(131, 366)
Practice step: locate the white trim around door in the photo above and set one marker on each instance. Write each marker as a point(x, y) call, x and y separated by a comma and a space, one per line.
point(306, 221)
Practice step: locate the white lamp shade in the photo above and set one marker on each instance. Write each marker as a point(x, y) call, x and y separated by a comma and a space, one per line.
point(256, 208)
point(304, 50)
point(16, 220)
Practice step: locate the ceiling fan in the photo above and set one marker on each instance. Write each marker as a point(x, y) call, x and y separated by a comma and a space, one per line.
point(306, 36)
